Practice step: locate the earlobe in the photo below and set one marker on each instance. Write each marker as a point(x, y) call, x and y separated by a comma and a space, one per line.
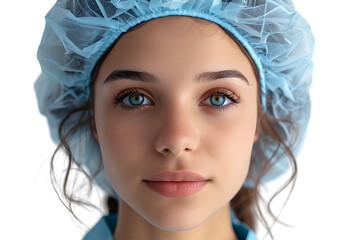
point(257, 131)
point(256, 136)
point(93, 129)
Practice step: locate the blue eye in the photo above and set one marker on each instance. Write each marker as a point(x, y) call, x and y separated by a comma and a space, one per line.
point(218, 99)
point(132, 97)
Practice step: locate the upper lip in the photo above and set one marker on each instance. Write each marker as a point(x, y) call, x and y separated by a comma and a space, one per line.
point(177, 176)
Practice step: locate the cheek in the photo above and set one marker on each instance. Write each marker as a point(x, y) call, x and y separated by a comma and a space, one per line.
point(123, 157)
point(122, 144)
point(230, 145)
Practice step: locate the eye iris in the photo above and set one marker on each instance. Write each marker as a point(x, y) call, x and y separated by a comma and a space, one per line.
point(137, 97)
point(217, 98)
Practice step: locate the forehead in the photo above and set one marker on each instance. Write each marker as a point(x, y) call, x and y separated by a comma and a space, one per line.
point(175, 45)
point(171, 33)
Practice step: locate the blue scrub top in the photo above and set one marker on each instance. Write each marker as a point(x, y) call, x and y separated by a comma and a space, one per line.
point(105, 227)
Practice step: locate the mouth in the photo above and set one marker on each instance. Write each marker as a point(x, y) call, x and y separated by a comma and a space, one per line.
point(177, 176)
point(176, 188)
point(176, 183)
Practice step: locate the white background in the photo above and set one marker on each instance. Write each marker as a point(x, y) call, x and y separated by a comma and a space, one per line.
point(325, 201)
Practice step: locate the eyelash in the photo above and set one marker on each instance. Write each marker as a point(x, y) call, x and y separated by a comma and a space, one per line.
point(221, 91)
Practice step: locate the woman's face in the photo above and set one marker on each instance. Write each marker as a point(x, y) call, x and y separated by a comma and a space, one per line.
point(177, 122)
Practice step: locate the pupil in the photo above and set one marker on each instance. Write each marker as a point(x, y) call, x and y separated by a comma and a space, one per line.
point(137, 99)
point(218, 98)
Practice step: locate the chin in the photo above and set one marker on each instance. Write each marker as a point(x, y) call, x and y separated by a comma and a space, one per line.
point(178, 220)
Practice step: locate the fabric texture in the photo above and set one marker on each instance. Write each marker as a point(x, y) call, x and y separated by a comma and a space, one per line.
point(105, 228)
point(78, 32)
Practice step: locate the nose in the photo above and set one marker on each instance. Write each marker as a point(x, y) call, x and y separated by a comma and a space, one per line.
point(178, 133)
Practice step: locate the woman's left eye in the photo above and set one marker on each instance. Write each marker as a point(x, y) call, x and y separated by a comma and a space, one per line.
point(218, 97)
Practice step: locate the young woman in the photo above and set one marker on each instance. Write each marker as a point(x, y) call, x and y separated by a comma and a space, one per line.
point(178, 110)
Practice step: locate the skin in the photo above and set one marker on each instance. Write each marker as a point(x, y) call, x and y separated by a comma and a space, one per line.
point(176, 132)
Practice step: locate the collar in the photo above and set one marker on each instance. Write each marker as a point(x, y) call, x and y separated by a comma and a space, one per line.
point(105, 227)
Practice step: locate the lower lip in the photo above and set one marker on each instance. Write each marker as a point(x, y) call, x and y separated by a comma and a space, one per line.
point(176, 189)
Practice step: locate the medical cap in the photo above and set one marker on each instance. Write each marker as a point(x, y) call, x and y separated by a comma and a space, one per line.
point(78, 32)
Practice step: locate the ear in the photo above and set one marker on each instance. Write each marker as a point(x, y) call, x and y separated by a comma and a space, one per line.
point(93, 129)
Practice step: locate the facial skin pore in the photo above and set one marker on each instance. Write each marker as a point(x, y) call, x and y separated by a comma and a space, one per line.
point(176, 128)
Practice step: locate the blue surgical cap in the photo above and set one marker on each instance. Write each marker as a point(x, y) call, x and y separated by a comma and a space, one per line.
point(276, 36)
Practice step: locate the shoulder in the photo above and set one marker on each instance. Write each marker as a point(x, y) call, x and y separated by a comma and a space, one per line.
point(103, 229)
point(242, 231)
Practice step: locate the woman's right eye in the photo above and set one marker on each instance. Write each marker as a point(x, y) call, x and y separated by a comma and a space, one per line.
point(130, 97)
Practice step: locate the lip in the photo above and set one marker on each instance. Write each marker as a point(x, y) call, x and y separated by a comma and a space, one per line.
point(178, 176)
point(176, 184)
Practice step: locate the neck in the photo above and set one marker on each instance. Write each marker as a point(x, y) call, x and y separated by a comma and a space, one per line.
point(132, 226)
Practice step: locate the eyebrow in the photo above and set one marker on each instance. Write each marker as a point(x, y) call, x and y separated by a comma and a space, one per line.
point(149, 78)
